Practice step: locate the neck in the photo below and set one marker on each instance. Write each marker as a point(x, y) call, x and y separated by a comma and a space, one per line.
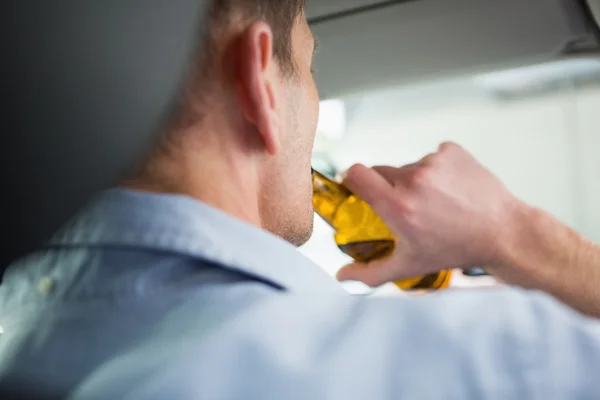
point(214, 178)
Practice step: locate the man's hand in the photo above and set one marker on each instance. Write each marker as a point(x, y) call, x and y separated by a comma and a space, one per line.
point(448, 211)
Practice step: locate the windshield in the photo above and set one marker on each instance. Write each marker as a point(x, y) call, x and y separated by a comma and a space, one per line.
point(537, 128)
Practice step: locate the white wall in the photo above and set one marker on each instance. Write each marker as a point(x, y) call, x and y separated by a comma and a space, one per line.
point(544, 149)
point(587, 117)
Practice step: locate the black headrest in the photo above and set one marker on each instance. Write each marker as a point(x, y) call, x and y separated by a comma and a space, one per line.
point(86, 85)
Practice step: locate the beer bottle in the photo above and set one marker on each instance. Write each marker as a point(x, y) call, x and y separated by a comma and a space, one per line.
point(360, 232)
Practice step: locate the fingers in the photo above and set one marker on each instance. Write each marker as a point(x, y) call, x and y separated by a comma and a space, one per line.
point(393, 174)
point(371, 186)
point(389, 173)
point(375, 273)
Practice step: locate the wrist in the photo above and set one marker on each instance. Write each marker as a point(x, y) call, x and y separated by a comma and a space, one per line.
point(519, 245)
point(535, 250)
point(538, 252)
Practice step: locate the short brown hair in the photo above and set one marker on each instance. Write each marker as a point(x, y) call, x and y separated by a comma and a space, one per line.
point(281, 15)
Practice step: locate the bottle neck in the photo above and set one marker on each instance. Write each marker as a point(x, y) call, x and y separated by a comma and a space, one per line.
point(328, 195)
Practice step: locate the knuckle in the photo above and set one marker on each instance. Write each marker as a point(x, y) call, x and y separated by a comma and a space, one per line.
point(447, 147)
point(431, 160)
point(379, 167)
point(423, 177)
point(409, 210)
point(428, 159)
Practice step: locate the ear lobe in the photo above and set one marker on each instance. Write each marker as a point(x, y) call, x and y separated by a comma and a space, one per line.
point(256, 79)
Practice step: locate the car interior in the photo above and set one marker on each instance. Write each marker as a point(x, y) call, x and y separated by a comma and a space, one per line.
point(516, 82)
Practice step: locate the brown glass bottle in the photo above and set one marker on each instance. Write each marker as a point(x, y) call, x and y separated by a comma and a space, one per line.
point(360, 232)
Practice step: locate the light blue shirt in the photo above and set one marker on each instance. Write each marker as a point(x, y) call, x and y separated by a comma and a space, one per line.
point(148, 296)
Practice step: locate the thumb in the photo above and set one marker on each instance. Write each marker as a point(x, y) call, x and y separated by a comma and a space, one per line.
point(375, 273)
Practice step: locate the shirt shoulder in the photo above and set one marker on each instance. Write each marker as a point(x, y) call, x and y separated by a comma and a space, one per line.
point(253, 343)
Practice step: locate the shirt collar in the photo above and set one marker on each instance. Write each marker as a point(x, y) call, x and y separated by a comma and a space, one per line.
point(183, 225)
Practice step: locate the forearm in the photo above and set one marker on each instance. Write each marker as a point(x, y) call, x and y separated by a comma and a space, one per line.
point(542, 253)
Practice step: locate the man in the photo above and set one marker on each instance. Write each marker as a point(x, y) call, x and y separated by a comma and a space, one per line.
point(185, 284)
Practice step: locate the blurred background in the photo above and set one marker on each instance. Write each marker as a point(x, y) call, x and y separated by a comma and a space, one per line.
point(536, 127)
point(516, 82)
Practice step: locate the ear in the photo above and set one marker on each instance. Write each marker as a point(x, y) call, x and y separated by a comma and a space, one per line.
point(257, 84)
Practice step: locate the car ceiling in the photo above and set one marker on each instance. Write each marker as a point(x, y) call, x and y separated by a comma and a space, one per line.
point(369, 44)
point(318, 9)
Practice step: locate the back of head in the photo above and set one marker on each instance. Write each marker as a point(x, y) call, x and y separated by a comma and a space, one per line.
point(242, 138)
